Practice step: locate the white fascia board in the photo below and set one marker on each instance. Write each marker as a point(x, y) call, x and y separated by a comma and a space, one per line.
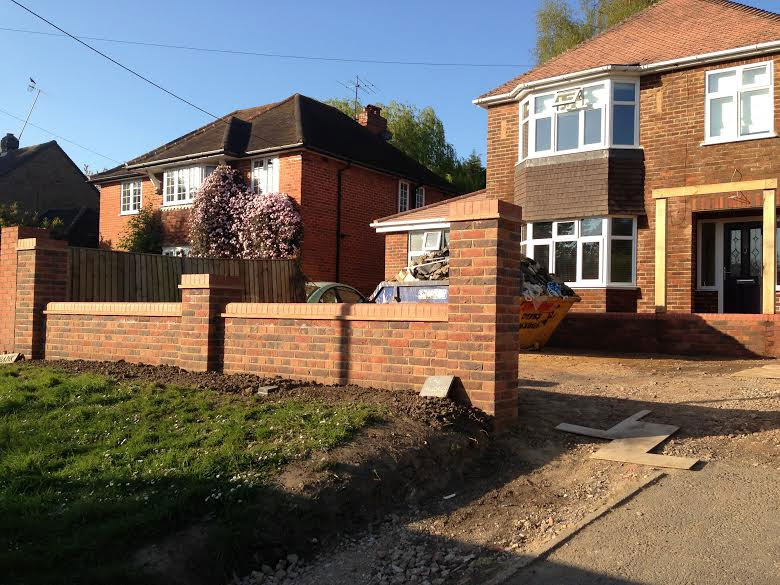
point(703, 58)
point(384, 228)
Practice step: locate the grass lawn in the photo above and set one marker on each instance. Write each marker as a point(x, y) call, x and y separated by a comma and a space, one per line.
point(92, 469)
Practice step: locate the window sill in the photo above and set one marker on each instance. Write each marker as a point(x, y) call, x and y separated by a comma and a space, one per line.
point(128, 212)
point(739, 139)
point(174, 206)
point(563, 153)
point(602, 286)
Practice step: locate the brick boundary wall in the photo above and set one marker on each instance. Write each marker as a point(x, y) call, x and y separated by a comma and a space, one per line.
point(698, 334)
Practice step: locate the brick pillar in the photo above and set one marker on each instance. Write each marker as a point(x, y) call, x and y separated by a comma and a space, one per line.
point(484, 304)
point(201, 340)
point(41, 278)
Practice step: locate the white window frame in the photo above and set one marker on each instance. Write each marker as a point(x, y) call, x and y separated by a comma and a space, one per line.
point(737, 103)
point(134, 204)
point(270, 180)
point(403, 196)
point(440, 239)
point(604, 279)
point(172, 197)
point(419, 197)
point(607, 118)
point(181, 251)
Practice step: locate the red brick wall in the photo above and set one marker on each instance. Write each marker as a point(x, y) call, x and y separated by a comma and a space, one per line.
point(672, 333)
point(599, 300)
point(502, 144)
point(671, 132)
point(396, 253)
point(138, 339)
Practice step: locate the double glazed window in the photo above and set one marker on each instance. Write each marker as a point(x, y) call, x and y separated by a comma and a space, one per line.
point(131, 197)
point(582, 118)
point(403, 196)
point(181, 184)
point(431, 241)
point(265, 175)
point(739, 103)
point(585, 252)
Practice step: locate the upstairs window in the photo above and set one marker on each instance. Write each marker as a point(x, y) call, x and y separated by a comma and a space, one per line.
point(131, 197)
point(739, 103)
point(265, 175)
point(403, 196)
point(577, 119)
point(181, 184)
point(419, 197)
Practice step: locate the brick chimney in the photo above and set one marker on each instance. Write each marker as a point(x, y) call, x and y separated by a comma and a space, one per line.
point(9, 142)
point(372, 119)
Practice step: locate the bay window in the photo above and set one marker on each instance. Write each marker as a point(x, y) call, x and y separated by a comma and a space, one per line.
point(578, 118)
point(130, 199)
point(590, 252)
point(739, 103)
point(181, 184)
point(265, 175)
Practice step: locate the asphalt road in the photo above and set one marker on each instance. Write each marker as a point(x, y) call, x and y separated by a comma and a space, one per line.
point(718, 525)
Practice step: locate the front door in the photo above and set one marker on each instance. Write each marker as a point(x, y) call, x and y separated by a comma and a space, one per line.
point(742, 270)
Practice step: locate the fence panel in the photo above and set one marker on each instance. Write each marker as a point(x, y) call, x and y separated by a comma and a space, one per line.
point(111, 276)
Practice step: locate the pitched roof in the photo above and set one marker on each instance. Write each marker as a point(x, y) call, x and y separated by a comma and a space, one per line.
point(669, 29)
point(434, 211)
point(15, 158)
point(296, 121)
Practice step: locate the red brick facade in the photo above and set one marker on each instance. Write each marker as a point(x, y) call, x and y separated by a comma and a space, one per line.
point(312, 180)
point(396, 253)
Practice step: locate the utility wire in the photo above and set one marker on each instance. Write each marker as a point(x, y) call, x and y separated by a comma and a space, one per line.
point(128, 69)
point(261, 54)
point(60, 137)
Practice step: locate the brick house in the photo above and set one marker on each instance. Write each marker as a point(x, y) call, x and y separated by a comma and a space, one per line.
point(43, 179)
point(645, 161)
point(342, 172)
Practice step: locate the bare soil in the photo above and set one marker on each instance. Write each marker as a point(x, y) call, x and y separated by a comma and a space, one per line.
point(430, 497)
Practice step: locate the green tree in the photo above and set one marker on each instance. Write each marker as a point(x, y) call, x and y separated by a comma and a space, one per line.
point(143, 233)
point(11, 214)
point(419, 133)
point(561, 26)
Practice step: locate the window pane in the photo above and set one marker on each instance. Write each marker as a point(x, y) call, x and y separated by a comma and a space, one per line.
point(623, 125)
point(593, 96)
point(624, 92)
point(722, 116)
point(542, 255)
point(542, 103)
point(707, 268)
point(722, 82)
point(755, 112)
point(592, 126)
point(591, 226)
point(621, 260)
point(543, 133)
point(622, 226)
point(542, 230)
point(566, 260)
point(591, 253)
point(755, 76)
point(525, 110)
point(567, 136)
point(416, 242)
point(524, 141)
point(565, 228)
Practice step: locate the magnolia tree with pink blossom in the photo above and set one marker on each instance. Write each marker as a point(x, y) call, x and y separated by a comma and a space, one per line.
point(272, 227)
point(230, 221)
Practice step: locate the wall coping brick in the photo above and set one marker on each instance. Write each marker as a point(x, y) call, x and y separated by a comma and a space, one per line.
point(431, 312)
point(41, 244)
point(128, 309)
point(470, 210)
point(210, 281)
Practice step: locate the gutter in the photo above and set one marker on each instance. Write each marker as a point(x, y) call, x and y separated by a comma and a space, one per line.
point(660, 66)
point(175, 158)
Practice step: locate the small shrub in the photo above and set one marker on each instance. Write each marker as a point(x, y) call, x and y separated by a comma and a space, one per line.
point(272, 227)
point(143, 233)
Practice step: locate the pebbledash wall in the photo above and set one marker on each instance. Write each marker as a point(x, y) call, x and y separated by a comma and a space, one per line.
point(474, 337)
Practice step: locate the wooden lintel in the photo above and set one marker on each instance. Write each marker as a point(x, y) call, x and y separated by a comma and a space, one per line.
point(757, 185)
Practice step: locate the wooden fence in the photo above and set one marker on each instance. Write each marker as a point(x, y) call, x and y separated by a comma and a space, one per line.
point(110, 276)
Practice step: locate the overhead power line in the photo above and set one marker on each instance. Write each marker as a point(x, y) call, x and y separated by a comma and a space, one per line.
point(265, 54)
point(57, 136)
point(128, 69)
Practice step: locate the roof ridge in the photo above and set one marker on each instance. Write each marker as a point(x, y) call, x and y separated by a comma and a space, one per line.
point(270, 106)
point(746, 8)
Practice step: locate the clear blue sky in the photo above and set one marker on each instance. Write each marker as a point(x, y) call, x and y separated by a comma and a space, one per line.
point(96, 104)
